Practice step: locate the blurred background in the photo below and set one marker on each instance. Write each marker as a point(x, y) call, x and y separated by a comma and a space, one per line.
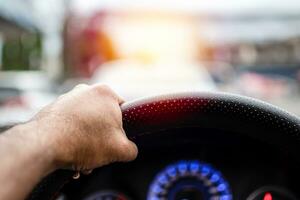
point(142, 47)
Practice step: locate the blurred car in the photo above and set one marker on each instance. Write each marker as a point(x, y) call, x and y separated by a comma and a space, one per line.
point(265, 87)
point(22, 94)
point(276, 85)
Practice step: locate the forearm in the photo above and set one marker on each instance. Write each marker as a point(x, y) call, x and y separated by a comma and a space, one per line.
point(81, 130)
point(25, 159)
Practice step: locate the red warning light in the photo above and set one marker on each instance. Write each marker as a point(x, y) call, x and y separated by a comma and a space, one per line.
point(268, 196)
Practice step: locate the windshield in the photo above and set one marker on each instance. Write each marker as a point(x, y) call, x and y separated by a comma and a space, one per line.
point(142, 48)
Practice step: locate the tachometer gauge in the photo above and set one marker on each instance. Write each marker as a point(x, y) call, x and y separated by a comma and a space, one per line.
point(189, 180)
point(271, 193)
point(107, 195)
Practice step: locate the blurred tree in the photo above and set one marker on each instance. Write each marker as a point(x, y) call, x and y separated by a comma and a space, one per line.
point(22, 53)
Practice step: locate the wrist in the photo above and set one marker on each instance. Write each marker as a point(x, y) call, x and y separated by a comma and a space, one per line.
point(51, 131)
point(32, 141)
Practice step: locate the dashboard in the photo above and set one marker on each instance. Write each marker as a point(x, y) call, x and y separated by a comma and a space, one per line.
point(194, 164)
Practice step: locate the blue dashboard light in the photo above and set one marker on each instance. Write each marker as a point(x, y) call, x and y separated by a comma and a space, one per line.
point(226, 197)
point(221, 187)
point(215, 178)
point(162, 179)
point(183, 167)
point(154, 198)
point(195, 167)
point(205, 170)
point(198, 177)
point(157, 189)
point(171, 171)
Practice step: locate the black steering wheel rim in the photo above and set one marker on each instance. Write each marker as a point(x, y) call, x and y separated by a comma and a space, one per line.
point(229, 112)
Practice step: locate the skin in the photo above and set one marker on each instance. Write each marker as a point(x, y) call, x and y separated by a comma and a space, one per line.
point(81, 130)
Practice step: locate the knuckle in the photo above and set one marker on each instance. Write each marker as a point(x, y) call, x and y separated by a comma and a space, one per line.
point(81, 85)
point(103, 89)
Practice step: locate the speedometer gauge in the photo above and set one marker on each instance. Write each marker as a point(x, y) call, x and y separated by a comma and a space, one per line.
point(107, 195)
point(189, 180)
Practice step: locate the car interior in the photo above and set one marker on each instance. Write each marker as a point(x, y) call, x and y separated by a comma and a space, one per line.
point(196, 146)
point(211, 89)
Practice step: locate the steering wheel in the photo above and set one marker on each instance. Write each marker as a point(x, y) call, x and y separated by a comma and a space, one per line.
point(228, 112)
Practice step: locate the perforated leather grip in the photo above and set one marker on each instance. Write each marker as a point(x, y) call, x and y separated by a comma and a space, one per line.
point(232, 113)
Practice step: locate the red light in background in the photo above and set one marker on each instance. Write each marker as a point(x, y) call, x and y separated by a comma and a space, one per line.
point(268, 196)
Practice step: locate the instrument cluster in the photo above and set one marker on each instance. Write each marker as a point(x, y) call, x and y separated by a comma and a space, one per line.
point(192, 180)
point(219, 167)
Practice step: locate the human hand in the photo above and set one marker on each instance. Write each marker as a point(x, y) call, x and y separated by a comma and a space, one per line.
point(84, 129)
